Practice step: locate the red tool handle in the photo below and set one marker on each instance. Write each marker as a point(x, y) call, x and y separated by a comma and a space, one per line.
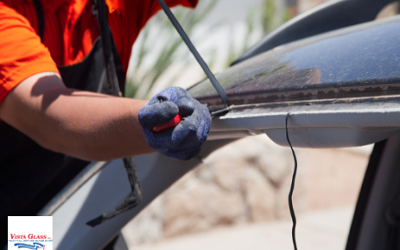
point(170, 124)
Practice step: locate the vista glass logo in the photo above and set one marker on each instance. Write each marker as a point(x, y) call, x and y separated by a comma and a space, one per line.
point(30, 232)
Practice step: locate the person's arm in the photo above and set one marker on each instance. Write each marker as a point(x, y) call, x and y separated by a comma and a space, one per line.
point(81, 124)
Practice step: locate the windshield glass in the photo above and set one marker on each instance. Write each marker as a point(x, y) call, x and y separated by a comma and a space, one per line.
point(345, 63)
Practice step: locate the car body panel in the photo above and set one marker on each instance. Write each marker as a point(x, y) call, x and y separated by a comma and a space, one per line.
point(107, 189)
point(324, 124)
point(340, 89)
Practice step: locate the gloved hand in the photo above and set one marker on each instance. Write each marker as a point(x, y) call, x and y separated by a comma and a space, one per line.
point(185, 139)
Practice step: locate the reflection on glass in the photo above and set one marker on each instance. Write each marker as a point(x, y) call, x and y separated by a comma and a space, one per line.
point(363, 60)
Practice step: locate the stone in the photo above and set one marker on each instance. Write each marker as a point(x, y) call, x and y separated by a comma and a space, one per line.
point(198, 207)
point(276, 166)
point(259, 196)
point(249, 147)
point(205, 172)
point(246, 181)
point(147, 227)
point(228, 173)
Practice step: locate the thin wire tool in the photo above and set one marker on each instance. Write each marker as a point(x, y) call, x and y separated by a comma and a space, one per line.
point(292, 214)
point(196, 54)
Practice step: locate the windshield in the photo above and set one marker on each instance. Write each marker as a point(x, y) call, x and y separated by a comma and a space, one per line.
point(345, 63)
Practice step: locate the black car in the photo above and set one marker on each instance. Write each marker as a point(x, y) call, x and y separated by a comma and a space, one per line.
point(334, 71)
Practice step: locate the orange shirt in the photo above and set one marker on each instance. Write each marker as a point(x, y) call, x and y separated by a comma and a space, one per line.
point(70, 31)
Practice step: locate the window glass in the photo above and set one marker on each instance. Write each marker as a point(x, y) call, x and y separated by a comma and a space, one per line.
point(358, 56)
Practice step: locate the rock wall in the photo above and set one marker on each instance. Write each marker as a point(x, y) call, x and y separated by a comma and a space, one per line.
point(244, 182)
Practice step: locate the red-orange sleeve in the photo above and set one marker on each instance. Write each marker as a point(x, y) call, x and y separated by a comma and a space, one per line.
point(128, 17)
point(21, 52)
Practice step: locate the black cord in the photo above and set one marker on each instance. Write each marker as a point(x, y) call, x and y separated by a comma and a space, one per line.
point(196, 54)
point(292, 214)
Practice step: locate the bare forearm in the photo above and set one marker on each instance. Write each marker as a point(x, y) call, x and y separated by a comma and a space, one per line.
point(92, 126)
point(82, 124)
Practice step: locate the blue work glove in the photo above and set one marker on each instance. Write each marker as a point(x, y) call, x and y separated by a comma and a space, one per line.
point(185, 139)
